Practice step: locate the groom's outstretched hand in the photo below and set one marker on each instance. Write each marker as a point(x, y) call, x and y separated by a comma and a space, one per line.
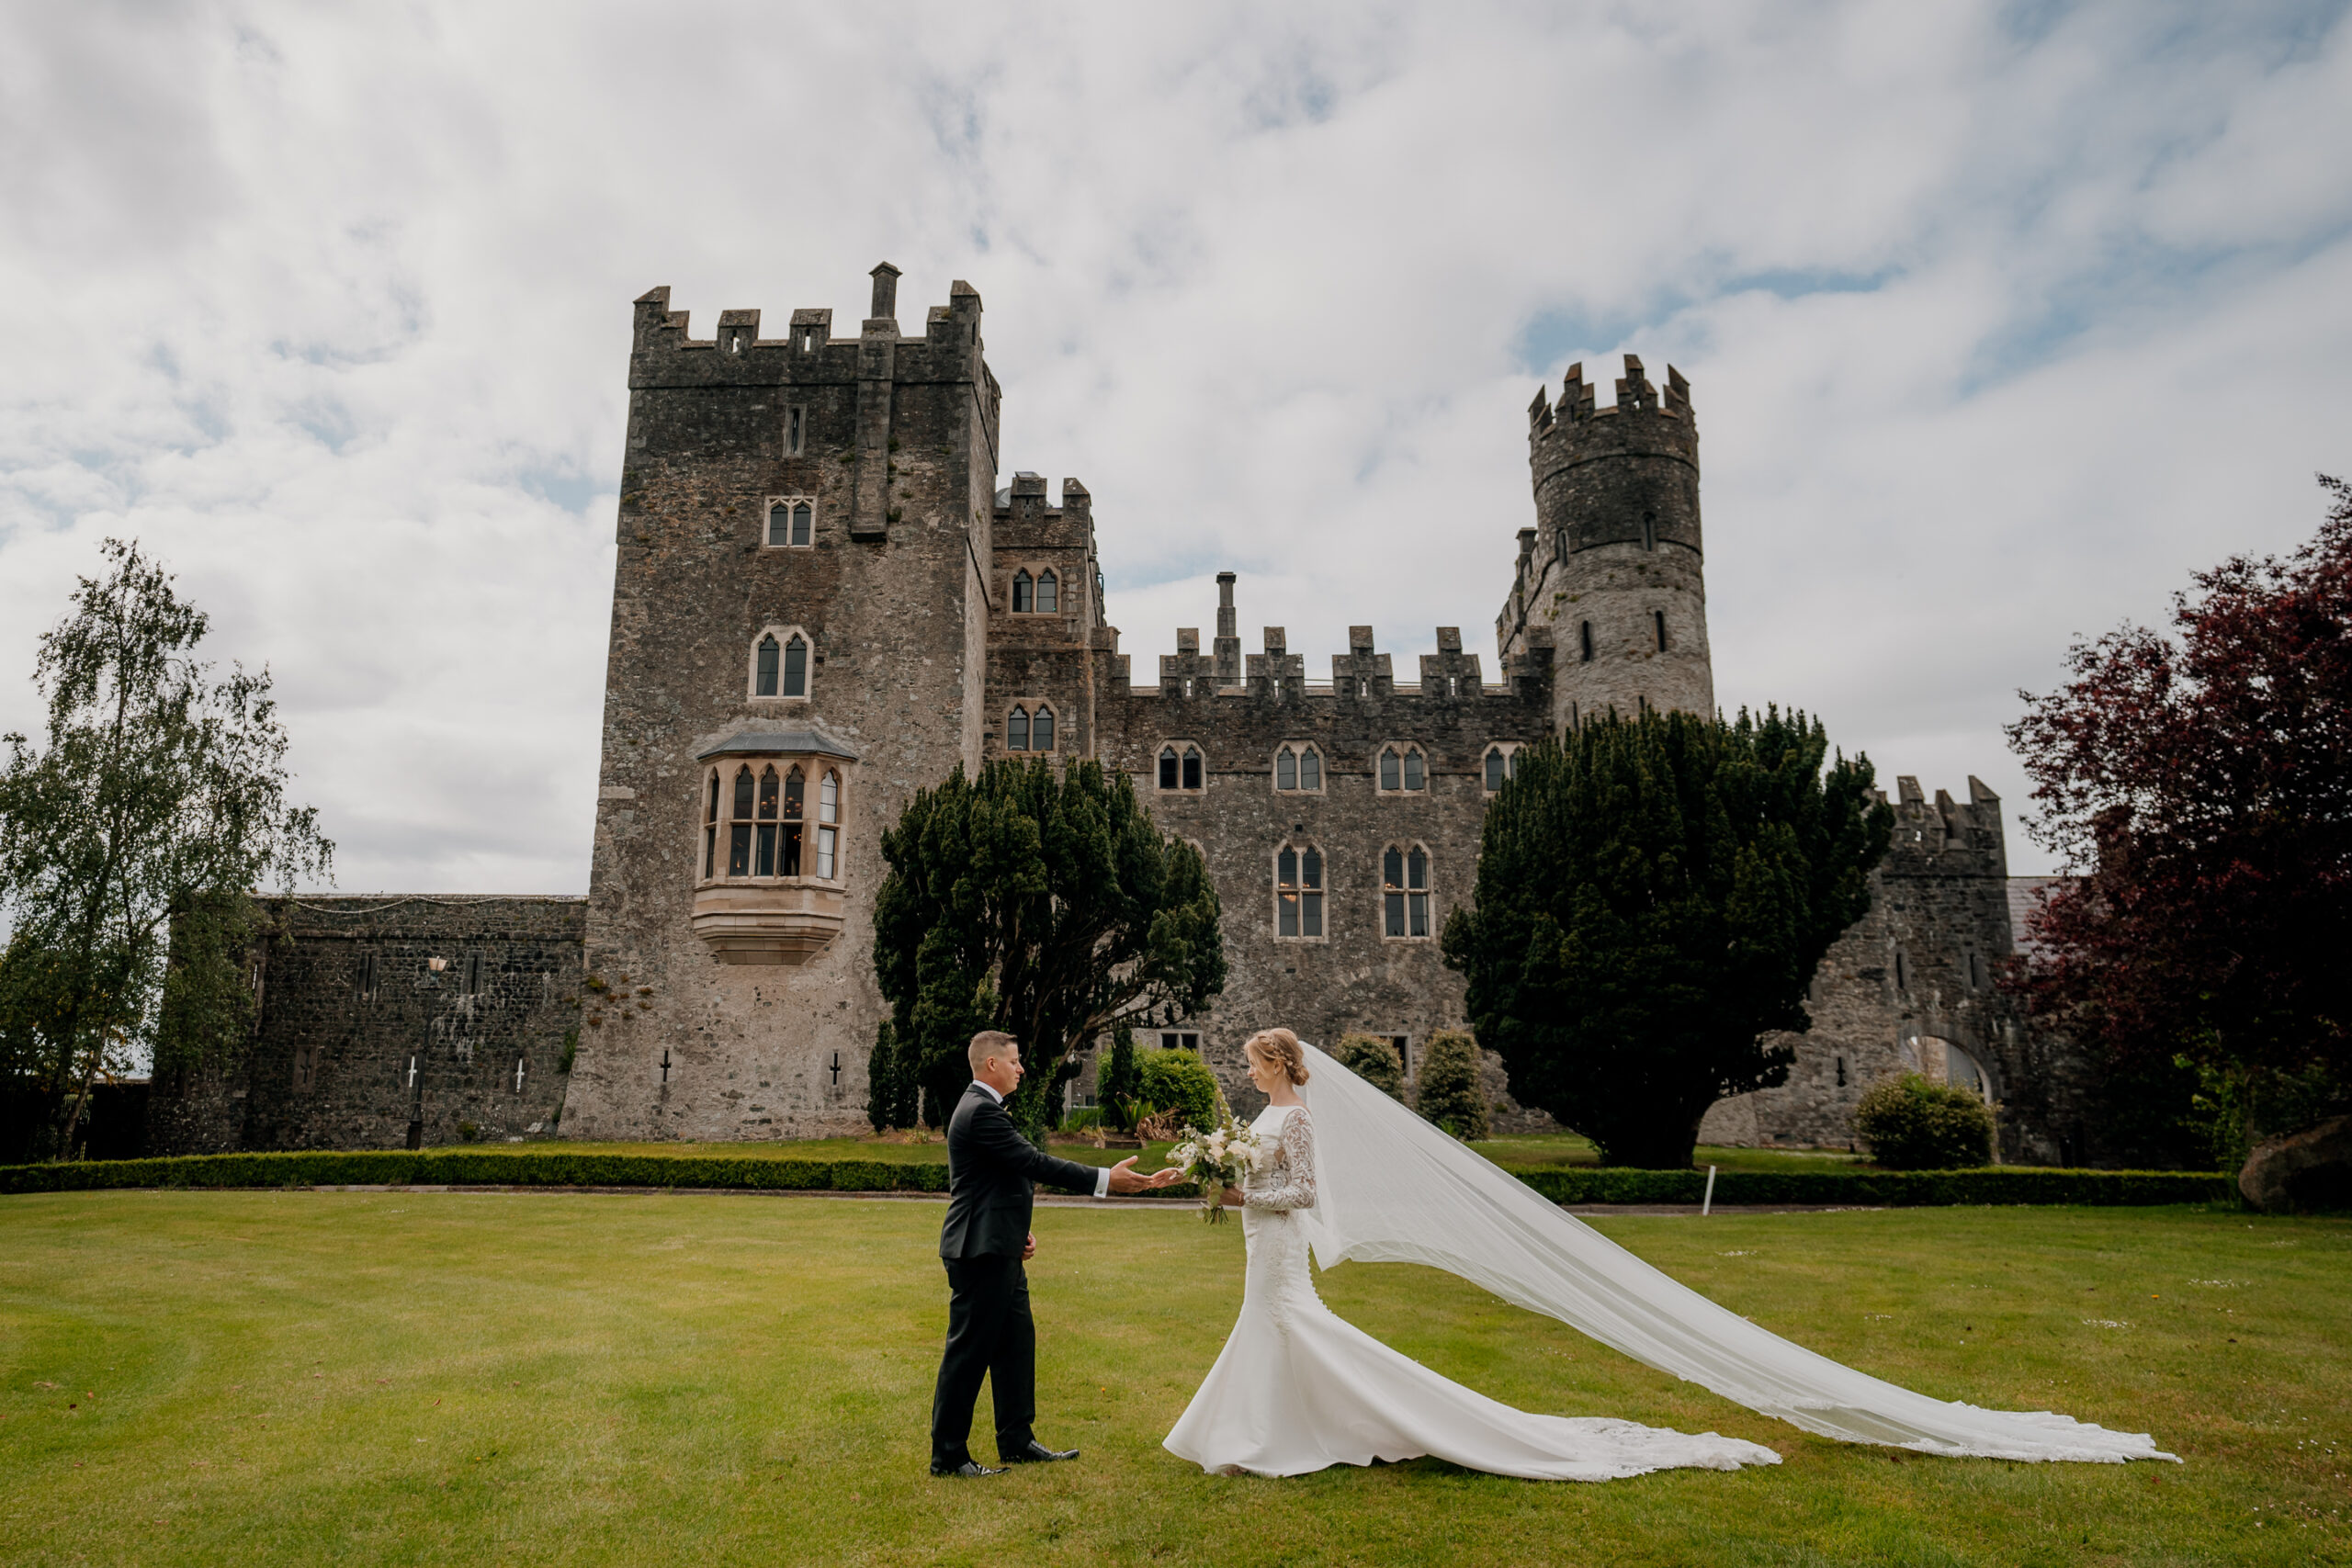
point(1127, 1179)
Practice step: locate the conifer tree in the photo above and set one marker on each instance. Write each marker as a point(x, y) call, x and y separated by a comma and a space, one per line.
point(1119, 1080)
point(1654, 896)
point(1042, 902)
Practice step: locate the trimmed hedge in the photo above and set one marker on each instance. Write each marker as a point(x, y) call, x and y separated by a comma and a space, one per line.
point(1897, 1188)
point(553, 1166)
point(540, 1166)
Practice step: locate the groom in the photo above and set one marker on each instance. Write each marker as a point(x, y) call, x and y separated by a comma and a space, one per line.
point(984, 1243)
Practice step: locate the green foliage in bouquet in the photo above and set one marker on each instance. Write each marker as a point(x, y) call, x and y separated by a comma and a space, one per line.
point(1180, 1082)
point(1450, 1094)
point(1374, 1060)
point(1909, 1123)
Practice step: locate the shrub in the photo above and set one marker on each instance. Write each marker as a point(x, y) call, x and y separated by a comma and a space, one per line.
point(1119, 1080)
point(1909, 1123)
point(1374, 1060)
point(1451, 1095)
point(1180, 1082)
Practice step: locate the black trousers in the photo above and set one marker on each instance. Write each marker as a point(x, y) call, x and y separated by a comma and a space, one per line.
point(989, 1333)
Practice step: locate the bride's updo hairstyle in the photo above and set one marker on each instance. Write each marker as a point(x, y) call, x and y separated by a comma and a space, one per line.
point(1280, 1047)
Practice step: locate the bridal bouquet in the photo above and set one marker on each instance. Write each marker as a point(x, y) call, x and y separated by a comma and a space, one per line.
point(1217, 1160)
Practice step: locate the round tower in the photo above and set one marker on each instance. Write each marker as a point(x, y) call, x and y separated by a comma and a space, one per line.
point(1616, 569)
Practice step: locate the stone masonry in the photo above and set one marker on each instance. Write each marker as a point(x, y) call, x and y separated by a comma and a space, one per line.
point(378, 1013)
point(824, 602)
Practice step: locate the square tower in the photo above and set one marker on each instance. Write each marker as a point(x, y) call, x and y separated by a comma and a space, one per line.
point(799, 642)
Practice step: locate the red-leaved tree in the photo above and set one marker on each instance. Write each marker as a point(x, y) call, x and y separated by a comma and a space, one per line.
point(2200, 783)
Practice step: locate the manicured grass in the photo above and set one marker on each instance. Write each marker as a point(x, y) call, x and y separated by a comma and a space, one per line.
point(426, 1378)
point(1555, 1149)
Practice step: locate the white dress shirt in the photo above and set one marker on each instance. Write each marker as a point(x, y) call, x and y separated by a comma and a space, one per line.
point(1102, 1176)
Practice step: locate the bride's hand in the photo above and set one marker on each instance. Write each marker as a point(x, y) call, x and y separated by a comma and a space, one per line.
point(1168, 1178)
point(1233, 1198)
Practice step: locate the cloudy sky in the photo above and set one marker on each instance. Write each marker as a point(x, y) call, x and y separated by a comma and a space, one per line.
point(2000, 318)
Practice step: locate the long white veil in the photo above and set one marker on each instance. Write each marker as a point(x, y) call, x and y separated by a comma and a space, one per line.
point(1392, 1189)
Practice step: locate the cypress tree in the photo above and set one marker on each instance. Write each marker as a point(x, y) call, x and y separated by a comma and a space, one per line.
point(1043, 902)
point(1654, 896)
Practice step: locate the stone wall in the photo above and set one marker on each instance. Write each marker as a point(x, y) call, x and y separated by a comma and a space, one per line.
point(1354, 978)
point(1911, 988)
point(379, 1011)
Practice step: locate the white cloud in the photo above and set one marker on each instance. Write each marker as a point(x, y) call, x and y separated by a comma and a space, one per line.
point(2000, 321)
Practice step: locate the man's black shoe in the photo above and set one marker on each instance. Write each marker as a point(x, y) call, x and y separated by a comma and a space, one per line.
point(1037, 1453)
point(971, 1468)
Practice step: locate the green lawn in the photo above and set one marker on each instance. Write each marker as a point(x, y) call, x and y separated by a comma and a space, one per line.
point(425, 1378)
point(1554, 1149)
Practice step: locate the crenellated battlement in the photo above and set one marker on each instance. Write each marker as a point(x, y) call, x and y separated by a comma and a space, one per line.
point(1362, 674)
point(1644, 419)
point(1944, 833)
point(808, 346)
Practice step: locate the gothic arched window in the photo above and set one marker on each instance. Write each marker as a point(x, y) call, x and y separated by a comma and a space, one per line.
point(796, 800)
point(1298, 766)
point(766, 820)
point(1403, 768)
point(1016, 730)
point(1049, 594)
point(780, 663)
point(1024, 593)
point(710, 829)
point(1298, 892)
point(1179, 767)
point(1501, 764)
point(1405, 891)
point(791, 522)
point(739, 827)
point(829, 816)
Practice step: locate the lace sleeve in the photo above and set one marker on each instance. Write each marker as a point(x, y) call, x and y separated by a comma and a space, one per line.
point(1292, 1184)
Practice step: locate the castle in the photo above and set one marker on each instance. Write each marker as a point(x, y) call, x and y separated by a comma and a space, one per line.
point(825, 601)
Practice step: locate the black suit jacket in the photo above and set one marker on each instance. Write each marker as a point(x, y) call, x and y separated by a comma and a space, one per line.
point(989, 1169)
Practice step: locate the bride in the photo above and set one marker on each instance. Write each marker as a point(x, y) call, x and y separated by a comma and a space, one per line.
point(1298, 1388)
point(1353, 1174)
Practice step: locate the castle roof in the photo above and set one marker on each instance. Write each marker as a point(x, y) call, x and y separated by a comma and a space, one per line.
point(768, 742)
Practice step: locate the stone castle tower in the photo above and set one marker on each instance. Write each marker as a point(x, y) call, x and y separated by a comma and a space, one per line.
point(798, 643)
point(1613, 568)
point(823, 601)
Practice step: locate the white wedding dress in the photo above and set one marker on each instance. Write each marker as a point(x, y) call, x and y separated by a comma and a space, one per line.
point(1298, 1388)
point(1357, 1175)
